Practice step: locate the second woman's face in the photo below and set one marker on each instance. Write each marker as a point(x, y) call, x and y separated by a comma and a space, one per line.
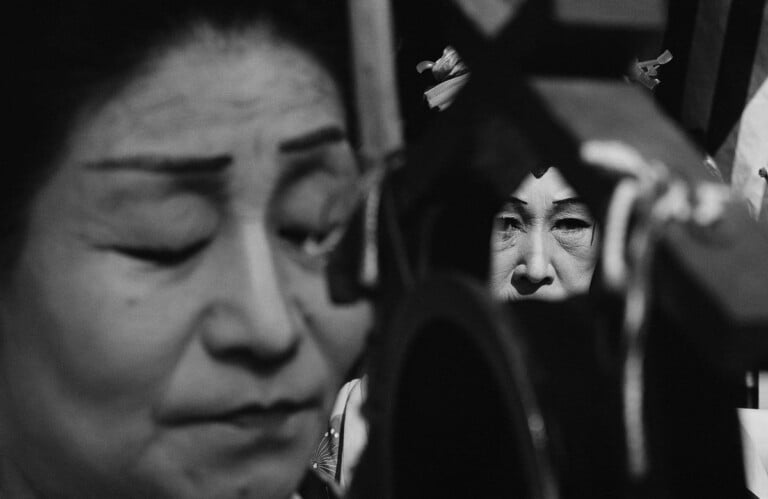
point(168, 331)
point(544, 242)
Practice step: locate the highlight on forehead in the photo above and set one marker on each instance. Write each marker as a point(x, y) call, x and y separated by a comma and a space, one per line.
point(208, 38)
point(232, 39)
point(242, 64)
point(209, 41)
point(239, 36)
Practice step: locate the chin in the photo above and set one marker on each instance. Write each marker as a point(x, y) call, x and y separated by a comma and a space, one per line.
point(261, 484)
point(262, 480)
point(256, 472)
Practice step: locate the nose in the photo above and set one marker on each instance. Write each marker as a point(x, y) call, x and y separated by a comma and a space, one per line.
point(534, 268)
point(251, 315)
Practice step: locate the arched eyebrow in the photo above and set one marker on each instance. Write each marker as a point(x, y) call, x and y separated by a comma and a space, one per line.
point(568, 201)
point(322, 136)
point(516, 201)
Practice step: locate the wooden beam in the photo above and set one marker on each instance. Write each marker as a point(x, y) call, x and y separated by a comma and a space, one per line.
point(374, 74)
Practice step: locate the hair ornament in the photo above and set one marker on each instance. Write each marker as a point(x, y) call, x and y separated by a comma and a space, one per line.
point(645, 72)
point(451, 74)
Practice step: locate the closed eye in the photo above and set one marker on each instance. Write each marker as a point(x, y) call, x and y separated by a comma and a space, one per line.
point(162, 256)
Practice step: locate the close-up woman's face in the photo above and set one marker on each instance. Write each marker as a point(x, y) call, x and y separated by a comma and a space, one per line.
point(544, 243)
point(167, 331)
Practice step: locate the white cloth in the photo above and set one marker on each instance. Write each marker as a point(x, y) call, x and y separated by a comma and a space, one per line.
point(754, 433)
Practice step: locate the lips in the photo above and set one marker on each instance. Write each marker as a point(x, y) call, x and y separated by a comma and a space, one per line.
point(244, 415)
point(266, 416)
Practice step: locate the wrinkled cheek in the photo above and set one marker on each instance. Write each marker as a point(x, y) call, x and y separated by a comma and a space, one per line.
point(581, 247)
point(575, 262)
point(581, 281)
point(502, 264)
point(583, 250)
point(576, 271)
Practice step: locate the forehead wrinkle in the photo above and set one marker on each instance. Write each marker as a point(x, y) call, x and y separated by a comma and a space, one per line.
point(208, 50)
point(205, 47)
point(261, 41)
point(163, 118)
point(144, 111)
point(248, 108)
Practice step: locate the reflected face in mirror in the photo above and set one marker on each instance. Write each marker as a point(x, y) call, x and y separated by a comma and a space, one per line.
point(544, 243)
point(168, 331)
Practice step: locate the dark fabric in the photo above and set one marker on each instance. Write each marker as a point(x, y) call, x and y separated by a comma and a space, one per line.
point(735, 71)
point(716, 64)
point(315, 487)
point(678, 37)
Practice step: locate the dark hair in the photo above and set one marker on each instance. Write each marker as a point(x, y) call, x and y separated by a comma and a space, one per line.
point(66, 54)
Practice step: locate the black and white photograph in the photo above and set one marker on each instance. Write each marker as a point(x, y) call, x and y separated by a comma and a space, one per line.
point(384, 249)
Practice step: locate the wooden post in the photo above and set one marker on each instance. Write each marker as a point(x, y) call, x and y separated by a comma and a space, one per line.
point(374, 73)
point(378, 114)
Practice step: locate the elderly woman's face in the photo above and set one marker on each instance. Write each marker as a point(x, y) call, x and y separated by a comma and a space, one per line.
point(168, 330)
point(544, 242)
